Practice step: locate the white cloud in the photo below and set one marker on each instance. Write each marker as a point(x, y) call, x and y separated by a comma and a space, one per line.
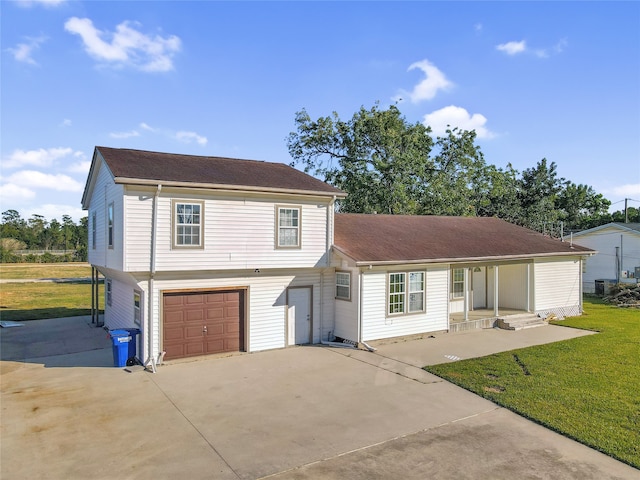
point(127, 46)
point(34, 179)
point(66, 123)
point(478, 27)
point(452, 116)
point(51, 211)
point(11, 193)
point(512, 48)
point(80, 167)
point(428, 88)
point(627, 191)
point(188, 137)
point(515, 48)
point(132, 133)
point(144, 126)
point(40, 158)
point(23, 51)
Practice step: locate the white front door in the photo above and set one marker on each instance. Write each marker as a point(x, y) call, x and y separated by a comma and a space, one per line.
point(299, 316)
point(479, 287)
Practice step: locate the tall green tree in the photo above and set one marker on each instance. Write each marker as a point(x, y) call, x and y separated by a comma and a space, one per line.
point(386, 164)
point(538, 191)
point(580, 207)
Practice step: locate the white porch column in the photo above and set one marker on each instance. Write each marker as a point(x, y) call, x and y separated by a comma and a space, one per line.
point(495, 291)
point(466, 294)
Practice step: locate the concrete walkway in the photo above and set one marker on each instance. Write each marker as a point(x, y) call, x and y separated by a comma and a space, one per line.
point(304, 412)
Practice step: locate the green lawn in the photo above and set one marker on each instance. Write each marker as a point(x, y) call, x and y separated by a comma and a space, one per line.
point(23, 271)
point(587, 388)
point(35, 300)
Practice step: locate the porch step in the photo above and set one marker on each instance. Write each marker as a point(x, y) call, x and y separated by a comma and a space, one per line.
point(520, 321)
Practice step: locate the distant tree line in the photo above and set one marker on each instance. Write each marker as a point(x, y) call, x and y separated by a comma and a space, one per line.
point(387, 165)
point(37, 234)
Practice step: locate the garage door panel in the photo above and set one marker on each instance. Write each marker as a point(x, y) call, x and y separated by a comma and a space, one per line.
point(186, 315)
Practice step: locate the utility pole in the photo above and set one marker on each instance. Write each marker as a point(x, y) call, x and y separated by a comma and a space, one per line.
point(626, 214)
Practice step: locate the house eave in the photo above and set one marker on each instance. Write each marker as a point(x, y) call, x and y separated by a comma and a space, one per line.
point(227, 188)
point(496, 258)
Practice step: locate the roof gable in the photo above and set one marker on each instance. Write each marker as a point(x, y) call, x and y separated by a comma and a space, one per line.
point(623, 227)
point(396, 239)
point(142, 167)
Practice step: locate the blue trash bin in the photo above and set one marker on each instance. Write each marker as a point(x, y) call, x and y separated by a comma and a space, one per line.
point(120, 340)
point(133, 344)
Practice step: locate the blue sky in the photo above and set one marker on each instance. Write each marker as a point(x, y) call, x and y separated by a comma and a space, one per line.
point(536, 80)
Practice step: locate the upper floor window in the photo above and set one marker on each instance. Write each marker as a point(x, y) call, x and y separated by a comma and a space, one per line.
point(288, 227)
point(187, 224)
point(457, 283)
point(343, 285)
point(94, 229)
point(110, 225)
point(406, 292)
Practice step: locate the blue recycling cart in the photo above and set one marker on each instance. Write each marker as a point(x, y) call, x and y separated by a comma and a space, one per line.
point(120, 340)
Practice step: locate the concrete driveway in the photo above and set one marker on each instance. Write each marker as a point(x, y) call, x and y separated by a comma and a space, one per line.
point(304, 412)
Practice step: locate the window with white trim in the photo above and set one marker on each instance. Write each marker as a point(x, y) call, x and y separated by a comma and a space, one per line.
point(110, 225)
point(187, 224)
point(457, 283)
point(343, 285)
point(288, 227)
point(406, 292)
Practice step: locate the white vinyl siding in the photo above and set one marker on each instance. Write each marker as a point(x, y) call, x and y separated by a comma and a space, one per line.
point(377, 324)
point(513, 286)
point(346, 313)
point(557, 286)
point(266, 302)
point(238, 234)
point(106, 193)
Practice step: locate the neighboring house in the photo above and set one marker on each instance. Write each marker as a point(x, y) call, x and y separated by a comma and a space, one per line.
point(618, 246)
point(210, 255)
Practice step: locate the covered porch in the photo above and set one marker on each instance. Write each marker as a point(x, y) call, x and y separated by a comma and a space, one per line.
point(484, 292)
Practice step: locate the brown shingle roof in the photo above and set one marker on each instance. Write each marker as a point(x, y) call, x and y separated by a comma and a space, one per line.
point(395, 239)
point(129, 166)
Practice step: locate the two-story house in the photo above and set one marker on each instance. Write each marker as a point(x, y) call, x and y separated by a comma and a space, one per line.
point(210, 255)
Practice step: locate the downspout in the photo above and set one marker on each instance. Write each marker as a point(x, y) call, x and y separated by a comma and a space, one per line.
point(152, 271)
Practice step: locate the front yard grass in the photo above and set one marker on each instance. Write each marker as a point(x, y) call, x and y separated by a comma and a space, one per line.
point(587, 388)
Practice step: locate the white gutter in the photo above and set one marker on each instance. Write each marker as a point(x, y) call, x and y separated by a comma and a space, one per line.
point(229, 188)
point(152, 272)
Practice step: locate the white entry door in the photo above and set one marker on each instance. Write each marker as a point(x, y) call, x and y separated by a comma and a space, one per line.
point(299, 316)
point(479, 287)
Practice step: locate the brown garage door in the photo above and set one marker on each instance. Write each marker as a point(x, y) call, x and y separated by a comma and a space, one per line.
point(200, 323)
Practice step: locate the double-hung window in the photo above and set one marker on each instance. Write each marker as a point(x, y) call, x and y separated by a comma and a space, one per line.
point(136, 307)
point(288, 227)
point(110, 225)
point(406, 292)
point(343, 285)
point(187, 224)
point(457, 283)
